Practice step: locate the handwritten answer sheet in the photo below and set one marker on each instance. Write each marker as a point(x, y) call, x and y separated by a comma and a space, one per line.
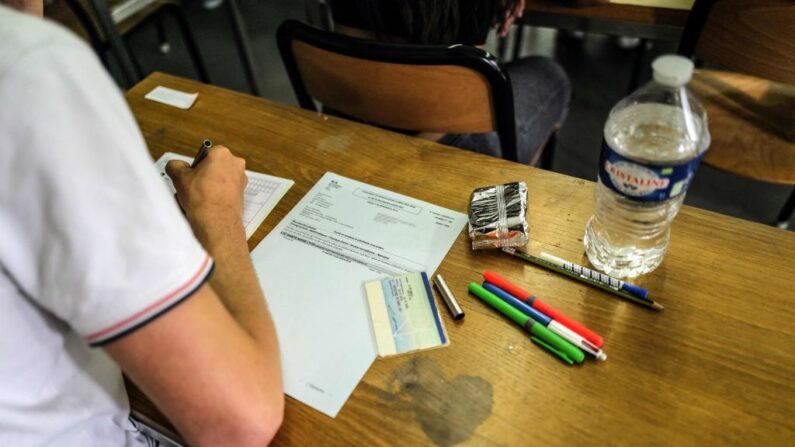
point(262, 193)
point(313, 266)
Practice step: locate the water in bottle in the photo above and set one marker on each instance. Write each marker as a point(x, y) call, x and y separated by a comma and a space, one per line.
point(653, 142)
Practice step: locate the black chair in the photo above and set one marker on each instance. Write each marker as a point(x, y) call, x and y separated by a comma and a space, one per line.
point(410, 88)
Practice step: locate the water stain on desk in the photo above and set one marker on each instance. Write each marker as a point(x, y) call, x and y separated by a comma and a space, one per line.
point(448, 411)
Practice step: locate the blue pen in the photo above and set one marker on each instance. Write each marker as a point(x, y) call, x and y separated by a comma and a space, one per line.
point(557, 328)
point(518, 304)
point(593, 275)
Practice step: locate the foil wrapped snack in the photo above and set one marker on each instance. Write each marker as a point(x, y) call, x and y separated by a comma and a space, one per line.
point(498, 216)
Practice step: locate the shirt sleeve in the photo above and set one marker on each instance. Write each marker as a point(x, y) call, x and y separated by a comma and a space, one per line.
point(89, 231)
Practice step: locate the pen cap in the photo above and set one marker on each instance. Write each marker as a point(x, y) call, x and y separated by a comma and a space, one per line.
point(550, 348)
point(558, 342)
point(448, 297)
point(556, 315)
point(506, 285)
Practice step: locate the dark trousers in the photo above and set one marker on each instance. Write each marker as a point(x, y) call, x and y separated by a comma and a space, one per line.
point(541, 92)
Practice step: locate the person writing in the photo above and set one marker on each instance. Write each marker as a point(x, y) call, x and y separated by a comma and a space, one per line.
point(100, 271)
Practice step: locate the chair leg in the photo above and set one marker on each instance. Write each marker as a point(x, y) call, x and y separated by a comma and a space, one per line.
point(502, 44)
point(135, 62)
point(88, 26)
point(786, 212)
point(548, 154)
point(160, 28)
point(243, 46)
point(637, 67)
point(518, 40)
point(190, 42)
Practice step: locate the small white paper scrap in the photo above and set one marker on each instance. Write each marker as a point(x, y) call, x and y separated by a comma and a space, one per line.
point(172, 97)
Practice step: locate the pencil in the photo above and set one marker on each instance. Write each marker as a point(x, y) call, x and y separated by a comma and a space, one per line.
point(647, 302)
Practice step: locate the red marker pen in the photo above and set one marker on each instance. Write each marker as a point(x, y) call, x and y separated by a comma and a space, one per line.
point(550, 311)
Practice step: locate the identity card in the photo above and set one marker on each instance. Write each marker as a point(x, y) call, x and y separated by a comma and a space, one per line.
point(404, 315)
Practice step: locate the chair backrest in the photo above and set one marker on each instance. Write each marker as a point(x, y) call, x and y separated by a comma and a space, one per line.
point(423, 88)
point(755, 37)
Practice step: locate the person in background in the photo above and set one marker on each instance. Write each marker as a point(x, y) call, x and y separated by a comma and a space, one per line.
point(541, 89)
point(100, 271)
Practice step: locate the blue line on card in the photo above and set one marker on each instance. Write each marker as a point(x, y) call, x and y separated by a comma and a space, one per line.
point(433, 308)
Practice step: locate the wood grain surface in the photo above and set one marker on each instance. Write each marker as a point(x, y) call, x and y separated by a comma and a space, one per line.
point(752, 122)
point(398, 96)
point(612, 11)
point(716, 367)
point(755, 37)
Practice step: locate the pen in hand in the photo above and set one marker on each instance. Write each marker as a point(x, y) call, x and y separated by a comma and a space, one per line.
point(202, 154)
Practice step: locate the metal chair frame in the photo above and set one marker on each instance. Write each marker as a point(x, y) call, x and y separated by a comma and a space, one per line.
point(174, 10)
point(459, 55)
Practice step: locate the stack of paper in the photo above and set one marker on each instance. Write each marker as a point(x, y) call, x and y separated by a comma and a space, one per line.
point(313, 266)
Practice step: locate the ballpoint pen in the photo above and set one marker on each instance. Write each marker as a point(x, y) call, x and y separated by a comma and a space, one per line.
point(557, 328)
point(586, 273)
point(539, 334)
point(202, 154)
point(532, 301)
point(648, 302)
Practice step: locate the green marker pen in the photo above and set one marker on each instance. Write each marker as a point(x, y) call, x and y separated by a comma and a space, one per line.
point(539, 334)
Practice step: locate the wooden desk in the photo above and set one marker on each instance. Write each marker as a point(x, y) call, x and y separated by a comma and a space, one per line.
point(648, 22)
point(715, 368)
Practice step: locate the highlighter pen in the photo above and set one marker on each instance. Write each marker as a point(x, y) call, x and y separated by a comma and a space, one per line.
point(538, 333)
point(202, 154)
point(557, 328)
point(553, 313)
point(586, 273)
point(648, 302)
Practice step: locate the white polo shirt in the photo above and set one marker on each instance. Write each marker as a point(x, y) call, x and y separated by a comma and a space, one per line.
point(92, 245)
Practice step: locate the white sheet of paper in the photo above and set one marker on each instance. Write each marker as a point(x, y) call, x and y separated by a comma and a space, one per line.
point(262, 193)
point(172, 97)
point(313, 266)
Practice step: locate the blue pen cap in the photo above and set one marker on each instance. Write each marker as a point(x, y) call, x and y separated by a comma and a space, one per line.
point(518, 304)
point(635, 290)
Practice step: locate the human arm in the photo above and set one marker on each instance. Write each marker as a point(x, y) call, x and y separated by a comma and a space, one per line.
point(234, 396)
point(101, 247)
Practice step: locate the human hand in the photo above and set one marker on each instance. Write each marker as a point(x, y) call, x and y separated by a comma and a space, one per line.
point(510, 17)
point(212, 193)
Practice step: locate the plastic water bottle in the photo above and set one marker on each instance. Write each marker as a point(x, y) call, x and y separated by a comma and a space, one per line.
point(654, 140)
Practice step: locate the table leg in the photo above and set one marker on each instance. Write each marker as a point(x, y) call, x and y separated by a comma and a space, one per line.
point(637, 66)
point(518, 40)
point(243, 46)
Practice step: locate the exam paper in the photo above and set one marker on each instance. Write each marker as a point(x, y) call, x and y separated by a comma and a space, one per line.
point(313, 266)
point(262, 192)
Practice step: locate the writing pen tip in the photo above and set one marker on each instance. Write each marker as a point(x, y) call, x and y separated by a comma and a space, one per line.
point(657, 306)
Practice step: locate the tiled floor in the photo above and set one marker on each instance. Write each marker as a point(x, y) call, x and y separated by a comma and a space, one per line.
point(599, 69)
